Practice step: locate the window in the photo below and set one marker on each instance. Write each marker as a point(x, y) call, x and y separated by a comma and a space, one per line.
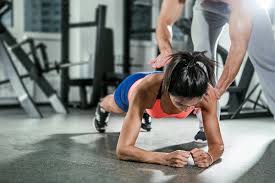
point(141, 19)
point(43, 16)
point(7, 19)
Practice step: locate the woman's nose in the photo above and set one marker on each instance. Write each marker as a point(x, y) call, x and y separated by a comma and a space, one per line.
point(188, 108)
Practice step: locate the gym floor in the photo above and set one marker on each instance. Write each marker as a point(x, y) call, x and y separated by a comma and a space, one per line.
point(62, 148)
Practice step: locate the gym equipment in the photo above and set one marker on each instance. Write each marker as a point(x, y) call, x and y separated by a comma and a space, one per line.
point(9, 44)
point(21, 92)
point(126, 40)
point(104, 57)
point(56, 67)
point(128, 31)
point(239, 96)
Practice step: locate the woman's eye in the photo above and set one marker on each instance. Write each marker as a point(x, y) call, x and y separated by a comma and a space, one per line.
point(179, 104)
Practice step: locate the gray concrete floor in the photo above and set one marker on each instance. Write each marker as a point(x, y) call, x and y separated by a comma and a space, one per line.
point(63, 149)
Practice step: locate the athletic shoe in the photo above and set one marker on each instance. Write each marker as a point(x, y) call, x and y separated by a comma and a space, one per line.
point(101, 119)
point(200, 137)
point(146, 122)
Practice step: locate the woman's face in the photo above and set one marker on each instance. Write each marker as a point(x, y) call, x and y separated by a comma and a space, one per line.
point(185, 104)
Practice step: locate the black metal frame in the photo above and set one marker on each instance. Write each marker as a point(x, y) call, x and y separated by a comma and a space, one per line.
point(65, 17)
point(127, 37)
point(103, 61)
point(126, 40)
point(239, 96)
point(33, 69)
point(66, 81)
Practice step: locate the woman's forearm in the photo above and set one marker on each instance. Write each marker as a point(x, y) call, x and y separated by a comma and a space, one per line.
point(212, 127)
point(132, 153)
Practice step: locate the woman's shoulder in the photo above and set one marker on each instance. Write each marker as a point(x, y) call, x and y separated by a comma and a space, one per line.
point(148, 88)
point(153, 78)
point(152, 81)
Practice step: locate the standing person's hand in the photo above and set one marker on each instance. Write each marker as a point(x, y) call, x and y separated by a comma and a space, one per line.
point(218, 93)
point(162, 60)
point(209, 101)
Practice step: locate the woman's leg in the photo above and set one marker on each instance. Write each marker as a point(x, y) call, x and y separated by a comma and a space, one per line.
point(109, 105)
point(115, 103)
point(103, 110)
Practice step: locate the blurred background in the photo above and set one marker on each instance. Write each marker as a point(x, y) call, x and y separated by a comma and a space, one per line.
point(131, 46)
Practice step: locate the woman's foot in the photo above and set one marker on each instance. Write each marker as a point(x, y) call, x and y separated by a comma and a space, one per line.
point(101, 119)
point(200, 137)
point(146, 122)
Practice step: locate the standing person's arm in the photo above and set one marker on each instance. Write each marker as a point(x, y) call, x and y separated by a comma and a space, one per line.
point(169, 14)
point(240, 25)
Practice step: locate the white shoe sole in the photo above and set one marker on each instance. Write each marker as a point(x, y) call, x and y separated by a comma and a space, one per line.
point(199, 141)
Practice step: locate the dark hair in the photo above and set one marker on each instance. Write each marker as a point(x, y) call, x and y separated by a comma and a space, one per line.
point(188, 74)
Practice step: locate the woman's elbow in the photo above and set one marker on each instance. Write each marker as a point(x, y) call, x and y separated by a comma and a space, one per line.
point(121, 153)
point(221, 148)
point(217, 147)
